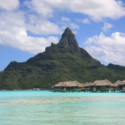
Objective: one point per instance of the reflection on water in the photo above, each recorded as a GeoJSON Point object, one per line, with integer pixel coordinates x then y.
{"type": "Point", "coordinates": [44, 107]}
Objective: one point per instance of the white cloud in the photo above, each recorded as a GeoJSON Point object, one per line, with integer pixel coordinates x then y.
{"type": "Point", "coordinates": [13, 32]}
{"type": "Point", "coordinates": [35, 24]}
{"type": "Point", "coordinates": [43, 26]}
{"type": "Point", "coordinates": [42, 7]}
{"type": "Point", "coordinates": [9, 4]}
{"type": "Point", "coordinates": [19, 39]}
{"type": "Point", "coordinates": [98, 10]}
{"type": "Point", "coordinates": [75, 32]}
{"type": "Point", "coordinates": [107, 49]}
{"type": "Point", "coordinates": [65, 19]}
{"type": "Point", "coordinates": [66, 22]}
{"type": "Point", "coordinates": [46, 7]}
{"type": "Point", "coordinates": [107, 26]}
{"type": "Point", "coordinates": [95, 9]}
{"type": "Point", "coordinates": [74, 26]}
{"type": "Point", "coordinates": [86, 20]}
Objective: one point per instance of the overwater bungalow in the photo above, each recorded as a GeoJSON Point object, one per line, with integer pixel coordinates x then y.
{"type": "Point", "coordinates": [101, 85]}
{"type": "Point", "coordinates": [67, 86]}
{"type": "Point", "coordinates": [97, 86]}
{"type": "Point", "coordinates": [86, 86]}
{"type": "Point", "coordinates": [119, 86]}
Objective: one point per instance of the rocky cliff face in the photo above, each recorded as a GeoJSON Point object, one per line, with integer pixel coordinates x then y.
{"type": "Point", "coordinates": [67, 41]}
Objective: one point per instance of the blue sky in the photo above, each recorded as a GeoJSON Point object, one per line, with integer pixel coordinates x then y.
{"type": "Point", "coordinates": [27, 27]}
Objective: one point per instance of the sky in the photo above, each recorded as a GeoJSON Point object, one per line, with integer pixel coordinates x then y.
{"type": "Point", "coordinates": [27, 27]}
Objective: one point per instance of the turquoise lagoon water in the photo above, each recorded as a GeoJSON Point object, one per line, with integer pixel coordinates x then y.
{"type": "Point", "coordinates": [48, 108]}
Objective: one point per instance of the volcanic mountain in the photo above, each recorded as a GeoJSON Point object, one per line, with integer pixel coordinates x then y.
{"type": "Point", "coordinates": [64, 61]}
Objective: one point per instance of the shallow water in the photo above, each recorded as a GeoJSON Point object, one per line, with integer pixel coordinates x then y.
{"type": "Point", "coordinates": [48, 108]}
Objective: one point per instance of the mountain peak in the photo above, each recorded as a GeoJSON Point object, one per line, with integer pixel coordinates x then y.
{"type": "Point", "coordinates": [68, 40]}
{"type": "Point", "coordinates": [67, 32]}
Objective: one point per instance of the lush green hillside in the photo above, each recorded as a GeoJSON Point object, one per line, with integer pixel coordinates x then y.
{"type": "Point", "coordinates": [64, 61]}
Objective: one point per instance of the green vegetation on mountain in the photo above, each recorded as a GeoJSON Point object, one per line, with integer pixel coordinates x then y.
{"type": "Point", "coordinates": [64, 61]}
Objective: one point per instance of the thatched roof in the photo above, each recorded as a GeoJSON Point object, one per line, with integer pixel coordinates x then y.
{"type": "Point", "coordinates": [87, 84]}
{"type": "Point", "coordinates": [102, 83]}
{"type": "Point", "coordinates": [117, 83]}
{"type": "Point", "coordinates": [69, 84]}
{"type": "Point", "coordinates": [60, 84]}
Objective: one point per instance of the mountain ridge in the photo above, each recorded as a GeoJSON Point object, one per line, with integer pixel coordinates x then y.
{"type": "Point", "coordinates": [64, 61]}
